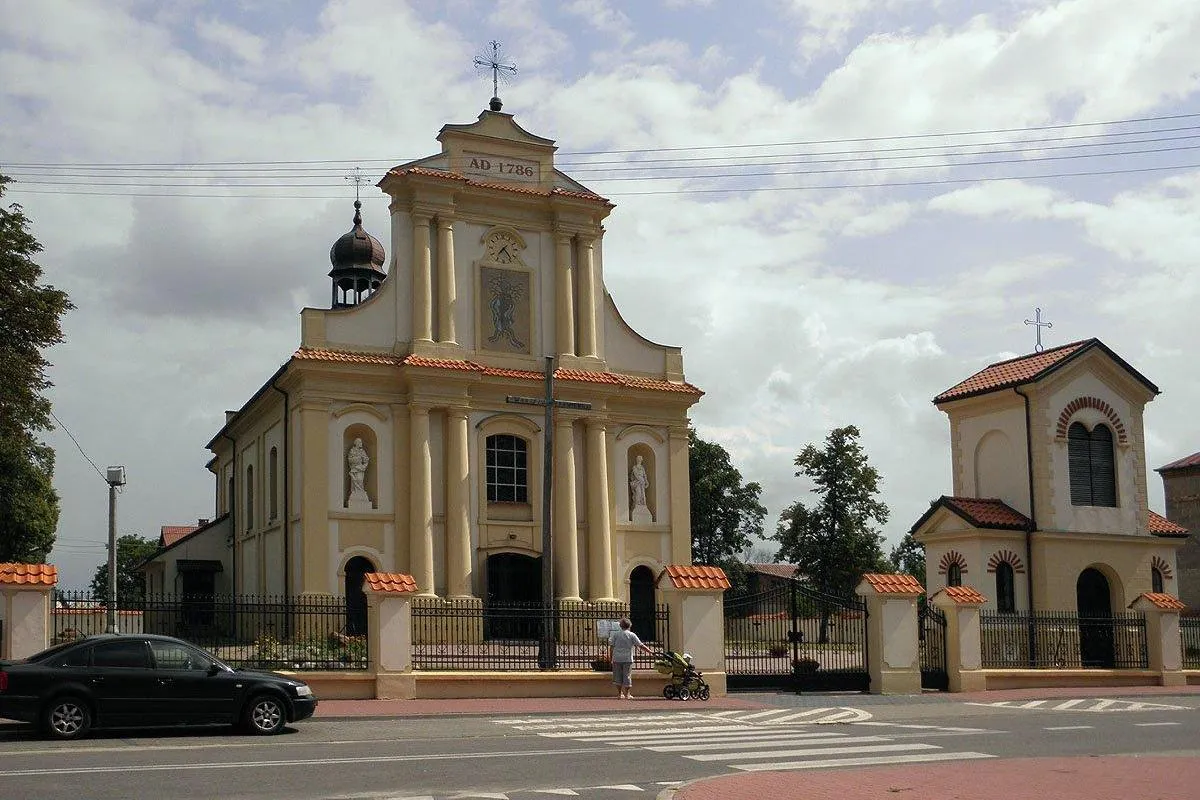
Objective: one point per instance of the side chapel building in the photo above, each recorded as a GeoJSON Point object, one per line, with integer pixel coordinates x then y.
{"type": "Point", "coordinates": [394, 439]}
{"type": "Point", "coordinates": [1049, 506]}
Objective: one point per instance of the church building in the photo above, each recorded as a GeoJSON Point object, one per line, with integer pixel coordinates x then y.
{"type": "Point", "coordinates": [405, 433]}
{"type": "Point", "coordinates": [1049, 510]}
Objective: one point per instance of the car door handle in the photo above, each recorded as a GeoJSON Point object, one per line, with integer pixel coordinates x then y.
{"type": "Point", "coordinates": [165, 681]}
{"type": "Point", "coordinates": [97, 680]}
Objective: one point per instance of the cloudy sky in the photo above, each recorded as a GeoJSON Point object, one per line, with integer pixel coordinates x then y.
{"type": "Point", "coordinates": [837, 209]}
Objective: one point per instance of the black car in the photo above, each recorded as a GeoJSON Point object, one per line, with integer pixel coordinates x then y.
{"type": "Point", "coordinates": [144, 681]}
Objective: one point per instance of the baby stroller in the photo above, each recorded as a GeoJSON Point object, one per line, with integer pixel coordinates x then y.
{"type": "Point", "coordinates": [686, 681]}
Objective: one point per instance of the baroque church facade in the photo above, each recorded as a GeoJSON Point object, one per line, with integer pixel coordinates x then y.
{"type": "Point", "coordinates": [1049, 505]}
{"type": "Point", "coordinates": [405, 433]}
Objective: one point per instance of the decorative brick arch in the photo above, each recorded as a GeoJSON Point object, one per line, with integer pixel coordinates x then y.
{"type": "Point", "coordinates": [950, 558]}
{"type": "Point", "coordinates": [1005, 557]}
{"type": "Point", "coordinates": [1079, 403]}
{"type": "Point", "coordinates": [1163, 567]}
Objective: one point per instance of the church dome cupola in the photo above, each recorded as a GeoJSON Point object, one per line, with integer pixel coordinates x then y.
{"type": "Point", "coordinates": [357, 258]}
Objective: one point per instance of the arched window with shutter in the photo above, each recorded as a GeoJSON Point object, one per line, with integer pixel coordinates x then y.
{"type": "Point", "coordinates": [1156, 580]}
{"type": "Point", "coordinates": [1092, 464]}
{"type": "Point", "coordinates": [954, 575]}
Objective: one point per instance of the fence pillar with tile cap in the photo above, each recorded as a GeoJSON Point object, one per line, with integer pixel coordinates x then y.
{"type": "Point", "coordinates": [695, 596]}
{"type": "Point", "coordinates": [25, 592]}
{"type": "Point", "coordinates": [1162, 635]}
{"type": "Point", "coordinates": [893, 649]}
{"type": "Point", "coordinates": [389, 633]}
{"type": "Point", "coordinates": [964, 644]}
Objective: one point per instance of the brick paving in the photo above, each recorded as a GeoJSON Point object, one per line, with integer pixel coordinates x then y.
{"type": "Point", "coordinates": [1087, 778]}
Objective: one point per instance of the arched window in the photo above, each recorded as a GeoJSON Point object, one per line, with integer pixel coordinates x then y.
{"type": "Point", "coordinates": [954, 575]}
{"type": "Point", "coordinates": [507, 469]}
{"type": "Point", "coordinates": [1092, 465]}
{"type": "Point", "coordinates": [1006, 599]}
{"type": "Point", "coordinates": [273, 490]}
{"type": "Point", "coordinates": [249, 497]}
{"type": "Point", "coordinates": [1156, 579]}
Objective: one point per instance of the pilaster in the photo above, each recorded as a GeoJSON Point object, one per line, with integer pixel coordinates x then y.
{"type": "Point", "coordinates": [421, 500]}
{"type": "Point", "coordinates": [564, 315]}
{"type": "Point", "coordinates": [599, 525]}
{"type": "Point", "coordinates": [458, 522]}
{"type": "Point", "coordinates": [447, 291]}
{"type": "Point", "coordinates": [587, 298]}
{"type": "Point", "coordinates": [565, 530]}
{"type": "Point", "coordinates": [314, 502]}
{"type": "Point", "coordinates": [422, 298]}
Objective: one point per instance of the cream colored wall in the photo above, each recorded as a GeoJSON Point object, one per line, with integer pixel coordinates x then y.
{"type": "Point", "coordinates": [1088, 379]}
{"type": "Point", "coordinates": [946, 532]}
{"type": "Point", "coordinates": [209, 545]}
{"type": "Point", "coordinates": [1125, 561]}
{"type": "Point", "coordinates": [625, 349]}
{"type": "Point", "coordinates": [370, 325]}
{"type": "Point", "coordinates": [991, 427]}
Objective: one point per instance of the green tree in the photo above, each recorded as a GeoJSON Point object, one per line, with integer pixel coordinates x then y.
{"type": "Point", "coordinates": [727, 517]}
{"type": "Point", "coordinates": [833, 540]}
{"type": "Point", "coordinates": [30, 315]}
{"type": "Point", "coordinates": [909, 557]}
{"type": "Point", "coordinates": [131, 584]}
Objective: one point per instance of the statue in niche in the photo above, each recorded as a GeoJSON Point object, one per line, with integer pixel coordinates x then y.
{"type": "Point", "coordinates": [639, 483]}
{"type": "Point", "coordinates": [357, 461]}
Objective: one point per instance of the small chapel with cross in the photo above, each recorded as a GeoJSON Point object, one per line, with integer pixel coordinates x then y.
{"type": "Point", "coordinates": [389, 440]}
{"type": "Point", "coordinates": [1048, 509]}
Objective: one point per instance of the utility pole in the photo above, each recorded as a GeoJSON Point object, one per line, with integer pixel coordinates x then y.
{"type": "Point", "coordinates": [115, 478]}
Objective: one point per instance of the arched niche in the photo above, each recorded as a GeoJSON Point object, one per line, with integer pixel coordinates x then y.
{"type": "Point", "coordinates": [370, 442]}
{"type": "Point", "coordinates": [643, 471]}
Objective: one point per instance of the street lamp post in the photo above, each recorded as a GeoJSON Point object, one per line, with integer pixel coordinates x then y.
{"type": "Point", "coordinates": [115, 478]}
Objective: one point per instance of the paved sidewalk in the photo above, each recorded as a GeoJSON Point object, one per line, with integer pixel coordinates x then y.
{"type": "Point", "coordinates": [1089, 778]}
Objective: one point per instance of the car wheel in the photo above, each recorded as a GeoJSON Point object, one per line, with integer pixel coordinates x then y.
{"type": "Point", "coordinates": [265, 715]}
{"type": "Point", "coordinates": [67, 718]}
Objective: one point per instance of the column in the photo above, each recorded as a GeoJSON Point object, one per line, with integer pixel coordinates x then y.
{"type": "Point", "coordinates": [893, 653]}
{"type": "Point", "coordinates": [564, 312]}
{"type": "Point", "coordinates": [422, 280]}
{"type": "Point", "coordinates": [420, 528]}
{"type": "Point", "coordinates": [458, 519]}
{"type": "Point", "coordinates": [964, 641]}
{"type": "Point", "coordinates": [566, 534]}
{"type": "Point", "coordinates": [680, 494]}
{"type": "Point", "coordinates": [1163, 644]}
{"type": "Point", "coordinates": [599, 531]}
{"type": "Point", "coordinates": [447, 292]}
{"type": "Point", "coordinates": [587, 298]}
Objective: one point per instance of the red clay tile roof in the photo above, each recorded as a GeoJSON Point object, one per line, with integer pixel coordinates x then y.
{"type": "Point", "coordinates": [963, 595]}
{"type": "Point", "coordinates": [170, 534]}
{"type": "Point", "coordinates": [507, 187]}
{"type": "Point", "coordinates": [1187, 461]}
{"type": "Point", "coordinates": [980, 512]}
{"type": "Point", "coordinates": [695, 576]}
{"type": "Point", "coordinates": [1161, 526]}
{"type": "Point", "coordinates": [392, 582]}
{"type": "Point", "coordinates": [1014, 372]}
{"type": "Point", "coordinates": [894, 584]}
{"type": "Point", "coordinates": [28, 574]}
{"type": "Point", "coordinates": [1167, 602]}
{"type": "Point", "coordinates": [459, 365]}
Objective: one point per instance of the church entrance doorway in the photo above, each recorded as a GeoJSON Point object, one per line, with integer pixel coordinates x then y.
{"type": "Point", "coordinates": [641, 603]}
{"type": "Point", "coordinates": [1095, 619]}
{"type": "Point", "coordinates": [356, 601]}
{"type": "Point", "coordinates": [512, 609]}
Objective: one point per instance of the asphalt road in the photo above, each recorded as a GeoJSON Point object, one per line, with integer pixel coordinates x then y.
{"type": "Point", "coordinates": [627, 753]}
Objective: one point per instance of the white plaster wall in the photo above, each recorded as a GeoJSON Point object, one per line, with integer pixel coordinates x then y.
{"type": "Point", "coordinates": [371, 325]}
{"type": "Point", "coordinates": [624, 349]}
{"type": "Point", "coordinates": [400, 276]}
{"type": "Point", "coordinates": [26, 630]}
{"type": "Point", "coordinates": [209, 545]}
{"type": "Point", "coordinates": [997, 468]}
{"type": "Point", "coordinates": [899, 626]}
{"type": "Point", "coordinates": [381, 458]}
{"type": "Point", "coordinates": [1060, 514]}
{"type": "Point", "coordinates": [248, 566]}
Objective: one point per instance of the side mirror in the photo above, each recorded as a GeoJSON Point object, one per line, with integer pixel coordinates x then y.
{"type": "Point", "coordinates": [213, 669]}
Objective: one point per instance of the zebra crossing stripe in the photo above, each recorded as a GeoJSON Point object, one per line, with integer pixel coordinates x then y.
{"type": "Point", "coordinates": [1068, 704]}
{"type": "Point", "coordinates": [865, 761]}
{"type": "Point", "coordinates": [1104, 705]}
{"type": "Point", "coordinates": [815, 751]}
{"type": "Point", "coordinates": [723, 738]}
{"type": "Point", "coordinates": [605, 733]}
{"type": "Point", "coordinates": [1031, 704]}
{"type": "Point", "coordinates": [727, 746]}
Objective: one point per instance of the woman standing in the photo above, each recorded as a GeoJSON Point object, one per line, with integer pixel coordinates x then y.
{"type": "Point", "coordinates": [621, 644]}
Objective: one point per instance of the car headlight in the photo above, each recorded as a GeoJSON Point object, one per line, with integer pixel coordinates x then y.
{"type": "Point", "coordinates": [303, 691]}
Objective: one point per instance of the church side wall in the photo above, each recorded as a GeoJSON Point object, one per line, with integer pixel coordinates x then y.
{"type": "Point", "coordinates": [1182, 491]}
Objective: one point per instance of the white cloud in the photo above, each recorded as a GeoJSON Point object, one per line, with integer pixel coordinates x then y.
{"type": "Point", "coordinates": [243, 44]}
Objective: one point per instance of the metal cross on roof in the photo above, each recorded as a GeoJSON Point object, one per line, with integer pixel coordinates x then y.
{"type": "Point", "coordinates": [499, 69]}
{"type": "Point", "coordinates": [358, 179]}
{"type": "Point", "coordinates": [1037, 324]}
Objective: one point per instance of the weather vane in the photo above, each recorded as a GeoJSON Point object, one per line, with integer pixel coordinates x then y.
{"type": "Point", "coordinates": [500, 71]}
{"type": "Point", "coordinates": [1037, 324]}
{"type": "Point", "coordinates": [358, 180]}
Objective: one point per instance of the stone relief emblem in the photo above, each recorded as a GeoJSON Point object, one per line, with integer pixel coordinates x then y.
{"type": "Point", "coordinates": [504, 292]}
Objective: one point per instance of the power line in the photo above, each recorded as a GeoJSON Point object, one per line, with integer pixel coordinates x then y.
{"type": "Point", "coordinates": [78, 446]}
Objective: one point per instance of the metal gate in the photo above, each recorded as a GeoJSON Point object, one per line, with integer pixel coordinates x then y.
{"type": "Point", "coordinates": [932, 629]}
{"type": "Point", "coordinates": [796, 638]}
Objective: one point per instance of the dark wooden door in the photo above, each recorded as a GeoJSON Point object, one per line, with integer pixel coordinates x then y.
{"type": "Point", "coordinates": [1095, 619]}
{"type": "Point", "coordinates": [356, 601]}
{"type": "Point", "coordinates": [641, 603]}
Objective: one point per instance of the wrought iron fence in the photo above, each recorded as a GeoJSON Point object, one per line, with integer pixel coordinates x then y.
{"type": "Point", "coordinates": [931, 634]}
{"type": "Point", "coordinates": [250, 631]}
{"type": "Point", "coordinates": [1189, 633]}
{"type": "Point", "coordinates": [1062, 640]}
{"type": "Point", "coordinates": [467, 635]}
